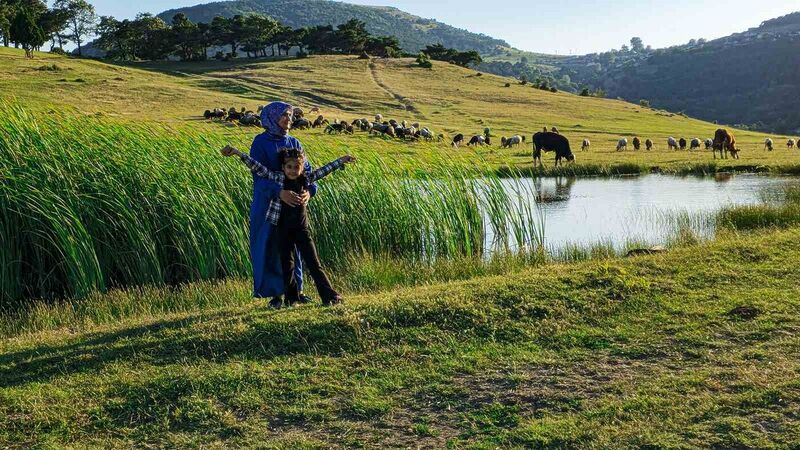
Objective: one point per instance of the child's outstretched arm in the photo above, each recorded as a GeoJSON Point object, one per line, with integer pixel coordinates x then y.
{"type": "Point", "coordinates": [256, 167]}
{"type": "Point", "coordinates": [329, 168]}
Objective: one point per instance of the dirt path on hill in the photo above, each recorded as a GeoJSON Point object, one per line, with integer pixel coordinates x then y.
{"type": "Point", "coordinates": [405, 102]}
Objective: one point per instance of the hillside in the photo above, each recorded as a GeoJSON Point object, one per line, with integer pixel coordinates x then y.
{"type": "Point", "coordinates": [698, 348]}
{"type": "Point", "coordinates": [412, 31]}
{"type": "Point", "coordinates": [453, 101]}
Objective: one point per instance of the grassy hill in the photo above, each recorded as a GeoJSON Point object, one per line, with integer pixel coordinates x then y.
{"type": "Point", "coordinates": [114, 194]}
{"type": "Point", "coordinates": [413, 32]}
{"type": "Point", "coordinates": [695, 349]}
{"type": "Point", "coordinates": [448, 99]}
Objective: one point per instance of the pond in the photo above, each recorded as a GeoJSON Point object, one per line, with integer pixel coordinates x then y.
{"type": "Point", "coordinates": [642, 209]}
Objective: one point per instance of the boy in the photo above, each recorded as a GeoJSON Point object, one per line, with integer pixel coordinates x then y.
{"type": "Point", "coordinates": [292, 221]}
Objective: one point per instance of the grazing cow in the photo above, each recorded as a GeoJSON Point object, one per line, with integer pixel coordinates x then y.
{"type": "Point", "coordinates": [790, 143]}
{"type": "Point", "coordinates": [695, 144]}
{"type": "Point", "coordinates": [637, 144]}
{"type": "Point", "coordinates": [622, 144]}
{"type": "Point", "coordinates": [768, 144]}
{"type": "Point", "coordinates": [672, 144]}
{"type": "Point", "coordinates": [724, 142]}
{"type": "Point", "coordinates": [648, 144]}
{"type": "Point", "coordinates": [476, 140]}
{"type": "Point", "coordinates": [682, 143]}
{"type": "Point", "coordinates": [551, 142]}
{"type": "Point", "coordinates": [708, 143]}
{"type": "Point", "coordinates": [458, 140]}
{"type": "Point", "coordinates": [510, 142]}
{"type": "Point", "coordinates": [586, 144]}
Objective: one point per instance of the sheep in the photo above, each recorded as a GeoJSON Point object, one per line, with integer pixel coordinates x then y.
{"type": "Point", "coordinates": [301, 123]}
{"type": "Point", "coordinates": [768, 144]}
{"type": "Point", "coordinates": [416, 125]}
{"type": "Point", "coordinates": [695, 144]}
{"type": "Point", "coordinates": [216, 113]}
{"type": "Point", "coordinates": [298, 113]}
{"type": "Point", "coordinates": [790, 143]}
{"type": "Point", "coordinates": [319, 121]}
{"type": "Point", "coordinates": [457, 140]}
{"type": "Point", "coordinates": [672, 144]}
{"type": "Point", "coordinates": [637, 144]}
{"type": "Point", "coordinates": [682, 143]}
{"type": "Point", "coordinates": [648, 144]}
{"type": "Point", "coordinates": [476, 140]}
{"type": "Point", "coordinates": [250, 119]}
{"type": "Point", "coordinates": [622, 144]}
{"type": "Point", "coordinates": [339, 127]}
{"type": "Point", "coordinates": [426, 134]}
{"type": "Point", "coordinates": [407, 133]}
{"type": "Point", "coordinates": [510, 142]}
{"type": "Point", "coordinates": [586, 144]}
{"type": "Point", "coordinates": [313, 110]}
{"type": "Point", "coordinates": [708, 143]}
{"type": "Point", "coordinates": [378, 118]}
{"type": "Point", "coordinates": [383, 129]}
{"type": "Point", "coordinates": [554, 130]}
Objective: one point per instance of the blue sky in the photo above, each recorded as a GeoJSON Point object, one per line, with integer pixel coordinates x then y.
{"type": "Point", "coordinates": [565, 26]}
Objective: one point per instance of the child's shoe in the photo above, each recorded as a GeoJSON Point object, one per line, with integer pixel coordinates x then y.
{"type": "Point", "coordinates": [276, 303]}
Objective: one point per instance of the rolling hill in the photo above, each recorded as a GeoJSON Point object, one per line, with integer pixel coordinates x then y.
{"type": "Point", "coordinates": [412, 31]}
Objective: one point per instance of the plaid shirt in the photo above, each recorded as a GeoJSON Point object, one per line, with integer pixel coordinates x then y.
{"type": "Point", "coordinates": [274, 209]}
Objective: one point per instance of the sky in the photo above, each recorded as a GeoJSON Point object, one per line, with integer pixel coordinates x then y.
{"type": "Point", "coordinates": [562, 27]}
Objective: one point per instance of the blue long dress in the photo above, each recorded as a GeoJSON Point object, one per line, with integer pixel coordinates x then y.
{"type": "Point", "coordinates": [267, 274]}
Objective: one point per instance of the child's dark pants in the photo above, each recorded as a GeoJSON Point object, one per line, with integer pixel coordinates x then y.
{"type": "Point", "coordinates": [288, 238]}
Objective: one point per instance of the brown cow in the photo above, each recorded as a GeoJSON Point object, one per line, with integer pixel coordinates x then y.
{"type": "Point", "coordinates": [724, 142]}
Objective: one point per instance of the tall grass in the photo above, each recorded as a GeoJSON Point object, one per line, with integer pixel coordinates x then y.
{"type": "Point", "coordinates": [88, 204]}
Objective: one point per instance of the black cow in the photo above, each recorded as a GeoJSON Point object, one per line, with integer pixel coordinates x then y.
{"type": "Point", "coordinates": [551, 142]}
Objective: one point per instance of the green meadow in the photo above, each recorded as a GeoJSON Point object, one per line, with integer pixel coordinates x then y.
{"type": "Point", "coordinates": [127, 319]}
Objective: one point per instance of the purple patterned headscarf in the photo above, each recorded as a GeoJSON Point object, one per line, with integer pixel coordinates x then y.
{"type": "Point", "coordinates": [270, 116]}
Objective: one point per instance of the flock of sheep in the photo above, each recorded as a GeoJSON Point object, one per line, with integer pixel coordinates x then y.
{"type": "Point", "coordinates": [723, 141]}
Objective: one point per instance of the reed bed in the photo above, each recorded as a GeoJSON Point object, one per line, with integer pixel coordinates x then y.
{"type": "Point", "coordinates": [88, 204]}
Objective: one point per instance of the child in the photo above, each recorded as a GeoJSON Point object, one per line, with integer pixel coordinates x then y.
{"type": "Point", "coordinates": [292, 221]}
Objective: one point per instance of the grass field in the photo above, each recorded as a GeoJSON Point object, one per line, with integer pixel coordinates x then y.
{"type": "Point", "coordinates": [697, 348]}
{"type": "Point", "coordinates": [113, 195]}
{"type": "Point", "coordinates": [448, 99]}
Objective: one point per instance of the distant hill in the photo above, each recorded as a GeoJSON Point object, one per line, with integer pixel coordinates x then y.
{"type": "Point", "coordinates": [750, 79]}
{"type": "Point", "coordinates": [413, 32]}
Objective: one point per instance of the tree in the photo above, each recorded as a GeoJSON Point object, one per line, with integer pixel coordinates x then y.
{"type": "Point", "coordinates": [383, 46]}
{"type": "Point", "coordinates": [644, 103]}
{"type": "Point", "coordinates": [81, 19]}
{"type": "Point", "coordinates": [6, 14]}
{"type": "Point", "coordinates": [424, 61]}
{"type": "Point", "coordinates": [584, 92]}
{"type": "Point", "coordinates": [637, 45]}
{"type": "Point", "coordinates": [352, 36]}
{"type": "Point", "coordinates": [26, 31]}
{"type": "Point", "coordinates": [464, 59]}
{"type": "Point", "coordinates": [184, 37]}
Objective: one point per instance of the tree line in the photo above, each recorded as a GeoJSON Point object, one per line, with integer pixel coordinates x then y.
{"type": "Point", "coordinates": [30, 24]}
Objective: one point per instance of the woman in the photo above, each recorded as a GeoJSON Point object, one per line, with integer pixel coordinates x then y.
{"type": "Point", "coordinates": [267, 275]}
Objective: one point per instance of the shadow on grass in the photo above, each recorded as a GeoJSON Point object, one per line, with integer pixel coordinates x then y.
{"type": "Point", "coordinates": [163, 342]}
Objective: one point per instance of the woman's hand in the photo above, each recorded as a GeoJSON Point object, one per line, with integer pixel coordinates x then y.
{"type": "Point", "coordinates": [230, 151]}
{"type": "Point", "coordinates": [292, 198]}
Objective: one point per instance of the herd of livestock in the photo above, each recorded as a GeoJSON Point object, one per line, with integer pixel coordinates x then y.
{"type": "Point", "coordinates": [545, 140]}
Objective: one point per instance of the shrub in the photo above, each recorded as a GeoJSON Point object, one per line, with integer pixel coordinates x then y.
{"type": "Point", "coordinates": [553, 89]}
{"type": "Point", "coordinates": [644, 103]}
{"type": "Point", "coordinates": [301, 54]}
{"type": "Point", "coordinates": [424, 61]}
{"type": "Point", "coordinates": [508, 84]}
{"type": "Point", "coordinates": [584, 92]}
{"type": "Point", "coordinates": [58, 51]}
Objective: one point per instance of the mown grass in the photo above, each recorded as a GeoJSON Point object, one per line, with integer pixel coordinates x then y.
{"type": "Point", "coordinates": [696, 348]}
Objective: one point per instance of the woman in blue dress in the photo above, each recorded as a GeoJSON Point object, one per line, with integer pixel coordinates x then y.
{"type": "Point", "coordinates": [276, 118]}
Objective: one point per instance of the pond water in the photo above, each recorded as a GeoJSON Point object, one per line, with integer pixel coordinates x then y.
{"type": "Point", "coordinates": [642, 209]}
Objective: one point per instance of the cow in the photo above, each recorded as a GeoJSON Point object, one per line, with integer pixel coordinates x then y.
{"type": "Point", "coordinates": [648, 144]}
{"type": "Point", "coordinates": [790, 143]}
{"type": "Point", "coordinates": [708, 143]}
{"type": "Point", "coordinates": [551, 142]}
{"type": "Point", "coordinates": [695, 144]}
{"type": "Point", "coordinates": [682, 143]}
{"type": "Point", "coordinates": [672, 144]}
{"type": "Point", "coordinates": [637, 143]}
{"type": "Point", "coordinates": [768, 144]}
{"type": "Point", "coordinates": [724, 142]}
{"type": "Point", "coordinates": [622, 144]}
{"type": "Point", "coordinates": [586, 144]}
